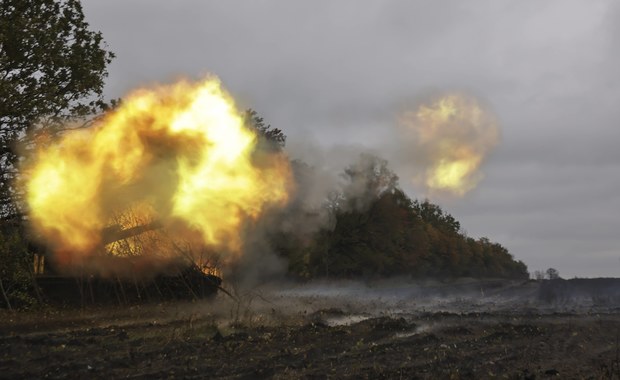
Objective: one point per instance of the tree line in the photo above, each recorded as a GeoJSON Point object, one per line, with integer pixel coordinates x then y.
{"type": "Point", "coordinates": [375, 229]}
{"type": "Point", "coordinates": [380, 231]}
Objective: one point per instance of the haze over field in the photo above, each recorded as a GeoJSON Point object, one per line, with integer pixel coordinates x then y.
{"type": "Point", "coordinates": [337, 78]}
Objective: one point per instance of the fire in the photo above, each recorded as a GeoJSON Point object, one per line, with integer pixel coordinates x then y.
{"type": "Point", "coordinates": [177, 154]}
{"type": "Point", "coordinates": [454, 133]}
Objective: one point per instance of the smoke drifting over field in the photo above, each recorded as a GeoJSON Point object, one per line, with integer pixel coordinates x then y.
{"type": "Point", "coordinates": [346, 302]}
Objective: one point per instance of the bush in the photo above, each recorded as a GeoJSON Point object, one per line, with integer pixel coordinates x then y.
{"type": "Point", "coordinates": [16, 277]}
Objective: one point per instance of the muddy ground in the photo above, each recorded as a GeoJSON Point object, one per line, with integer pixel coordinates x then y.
{"type": "Point", "coordinates": [322, 331]}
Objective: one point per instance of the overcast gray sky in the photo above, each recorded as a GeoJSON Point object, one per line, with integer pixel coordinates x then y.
{"type": "Point", "coordinates": [338, 73]}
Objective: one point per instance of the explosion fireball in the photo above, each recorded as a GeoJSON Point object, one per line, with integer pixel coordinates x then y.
{"type": "Point", "coordinates": [179, 155]}
{"type": "Point", "coordinates": [454, 133]}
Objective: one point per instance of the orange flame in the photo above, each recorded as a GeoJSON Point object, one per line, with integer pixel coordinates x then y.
{"type": "Point", "coordinates": [455, 134]}
{"type": "Point", "coordinates": [179, 154]}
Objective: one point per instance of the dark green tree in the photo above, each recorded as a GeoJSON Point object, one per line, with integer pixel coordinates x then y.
{"type": "Point", "coordinates": [377, 230]}
{"type": "Point", "coordinates": [16, 281]}
{"type": "Point", "coordinates": [52, 71]}
{"type": "Point", "coordinates": [372, 223]}
{"type": "Point", "coordinates": [552, 274]}
{"type": "Point", "coordinates": [435, 216]}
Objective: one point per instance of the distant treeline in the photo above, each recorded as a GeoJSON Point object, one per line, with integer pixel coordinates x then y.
{"type": "Point", "coordinates": [375, 229]}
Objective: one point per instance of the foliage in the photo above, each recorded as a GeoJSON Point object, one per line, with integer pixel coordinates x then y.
{"type": "Point", "coordinates": [269, 137]}
{"type": "Point", "coordinates": [52, 70]}
{"type": "Point", "coordinates": [379, 231]}
{"type": "Point", "coordinates": [15, 269]}
{"type": "Point", "coordinates": [552, 274]}
{"type": "Point", "coordinates": [434, 215]}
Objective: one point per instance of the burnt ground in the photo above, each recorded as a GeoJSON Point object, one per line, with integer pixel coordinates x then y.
{"type": "Point", "coordinates": [232, 340]}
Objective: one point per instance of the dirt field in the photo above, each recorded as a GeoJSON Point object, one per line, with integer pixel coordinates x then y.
{"type": "Point", "coordinates": [311, 338]}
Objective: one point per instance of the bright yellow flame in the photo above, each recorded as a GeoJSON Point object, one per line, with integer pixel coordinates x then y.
{"type": "Point", "coordinates": [179, 154]}
{"type": "Point", "coordinates": [454, 134]}
{"type": "Point", "coordinates": [454, 175]}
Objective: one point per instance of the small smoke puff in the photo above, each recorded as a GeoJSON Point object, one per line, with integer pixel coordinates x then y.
{"type": "Point", "coordinates": [452, 135]}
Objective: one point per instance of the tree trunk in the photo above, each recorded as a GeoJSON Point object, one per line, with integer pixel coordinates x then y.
{"type": "Point", "coordinates": [4, 295]}
{"type": "Point", "coordinates": [35, 285]}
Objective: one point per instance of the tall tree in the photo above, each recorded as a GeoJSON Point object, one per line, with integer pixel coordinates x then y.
{"type": "Point", "coordinates": [52, 70]}
{"type": "Point", "coordinates": [378, 230]}
{"type": "Point", "coordinates": [435, 216]}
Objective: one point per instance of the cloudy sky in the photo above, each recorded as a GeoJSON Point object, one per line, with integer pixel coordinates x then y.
{"type": "Point", "coordinates": [336, 75]}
